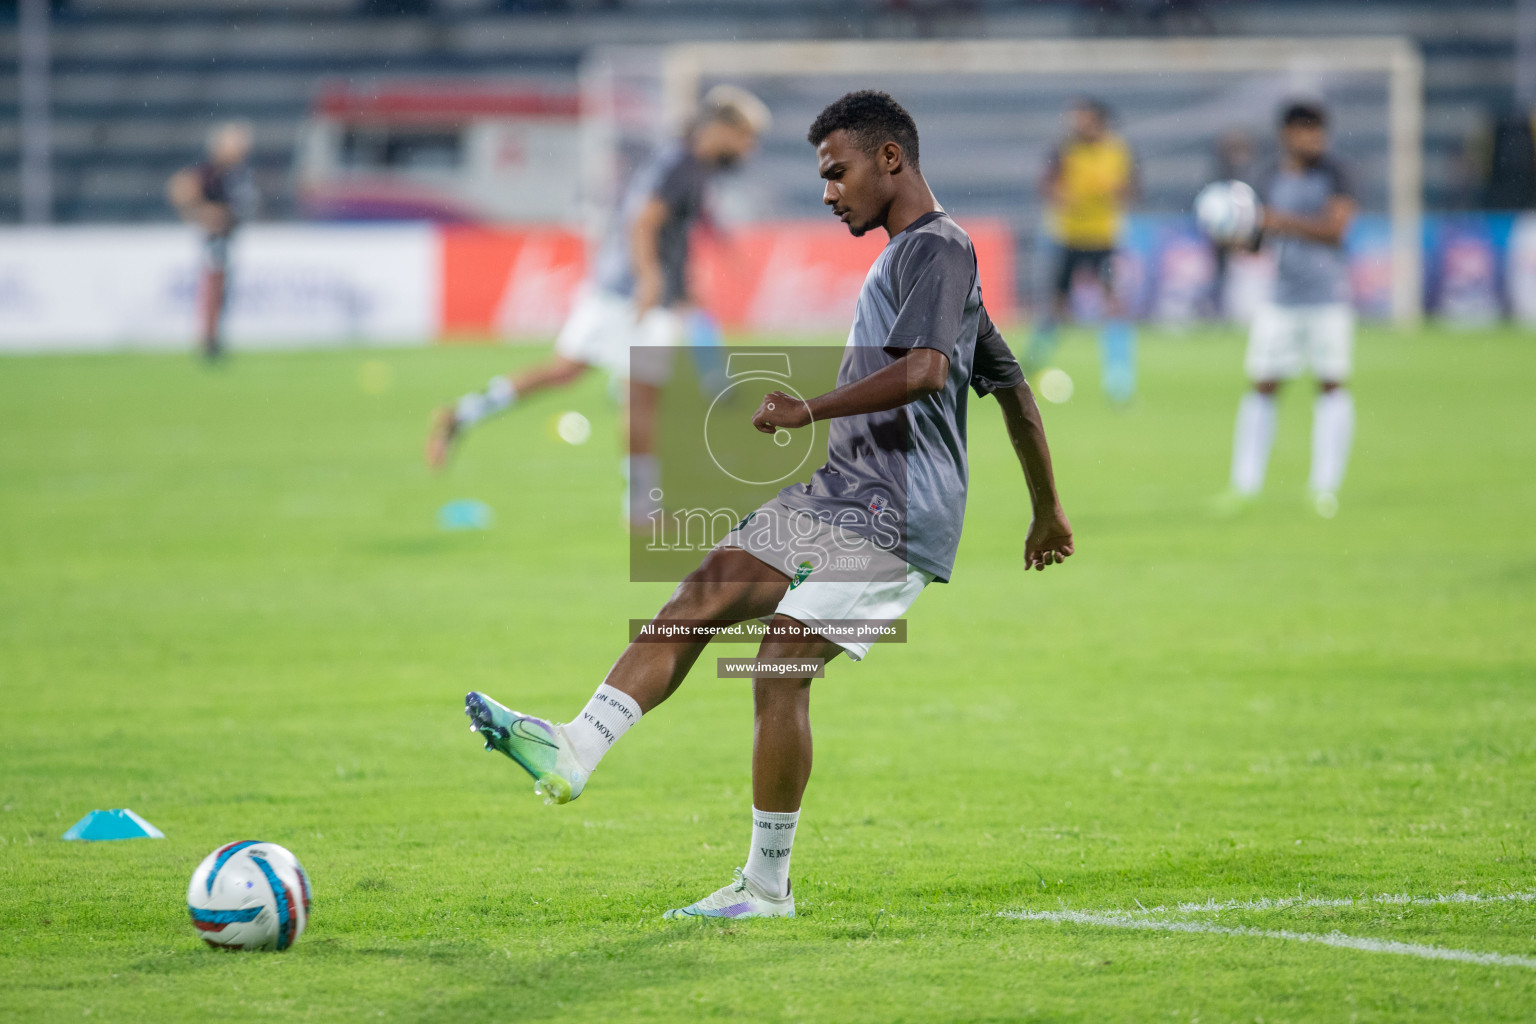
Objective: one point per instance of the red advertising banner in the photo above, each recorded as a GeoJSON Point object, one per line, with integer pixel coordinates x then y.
{"type": "Point", "coordinates": [787, 277]}
{"type": "Point", "coordinates": [508, 282]}
{"type": "Point", "coordinates": [805, 276]}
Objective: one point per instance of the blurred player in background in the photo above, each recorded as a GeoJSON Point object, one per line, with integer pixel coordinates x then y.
{"type": "Point", "coordinates": [1089, 182]}
{"type": "Point", "coordinates": [216, 195]}
{"type": "Point", "coordinates": [637, 292]}
{"type": "Point", "coordinates": [1308, 204]}
{"type": "Point", "coordinates": [896, 459]}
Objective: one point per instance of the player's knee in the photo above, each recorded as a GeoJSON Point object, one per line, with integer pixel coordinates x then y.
{"type": "Point", "coordinates": [779, 695]}
{"type": "Point", "coordinates": [1266, 387]}
{"type": "Point", "coordinates": [696, 599]}
{"type": "Point", "coordinates": [1326, 386]}
{"type": "Point", "coordinates": [714, 590]}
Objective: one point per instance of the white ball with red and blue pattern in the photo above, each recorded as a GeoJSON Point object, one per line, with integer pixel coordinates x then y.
{"type": "Point", "coordinates": [249, 895]}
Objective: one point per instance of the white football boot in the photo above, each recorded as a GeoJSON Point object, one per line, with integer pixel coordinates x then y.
{"type": "Point", "coordinates": [742, 898]}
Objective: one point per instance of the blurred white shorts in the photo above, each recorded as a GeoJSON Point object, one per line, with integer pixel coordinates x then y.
{"type": "Point", "coordinates": [602, 328]}
{"type": "Point", "coordinates": [1284, 341]}
{"type": "Point", "coordinates": [842, 585]}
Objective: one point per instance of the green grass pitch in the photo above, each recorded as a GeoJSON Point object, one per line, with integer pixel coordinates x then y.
{"type": "Point", "coordinates": [225, 603]}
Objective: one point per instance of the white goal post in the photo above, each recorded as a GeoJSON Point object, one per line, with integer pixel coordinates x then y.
{"type": "Point", "coordinates": [684, 67]}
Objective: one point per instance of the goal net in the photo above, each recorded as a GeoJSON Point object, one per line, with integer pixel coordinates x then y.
{"type": "Point", "coordinates": [990, 113]}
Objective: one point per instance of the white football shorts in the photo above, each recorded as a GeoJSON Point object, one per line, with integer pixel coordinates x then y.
{"type": "Point", "coordinates": [843, 585]}
{"type": "Point", "coordinates": [1284, 341]}
{"type": "Point", "coordinates": [602, 327]}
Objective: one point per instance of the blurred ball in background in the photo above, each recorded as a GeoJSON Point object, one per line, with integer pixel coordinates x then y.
{"type": "Point", "coordinates": [573, 428]}
{"type": "Point", "coordinates": [1054, 386]}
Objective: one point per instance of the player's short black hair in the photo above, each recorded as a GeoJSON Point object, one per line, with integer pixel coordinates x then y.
{"type": "Point", "coordinates": [1304, 114]}
{"type": "Point", "coordinates": [1097, 107]}
{"type": "Point", "coordinates": [871, 119]}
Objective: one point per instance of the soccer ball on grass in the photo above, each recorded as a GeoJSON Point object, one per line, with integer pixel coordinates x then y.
{"type": "Point", "coordinates": [249, 895]}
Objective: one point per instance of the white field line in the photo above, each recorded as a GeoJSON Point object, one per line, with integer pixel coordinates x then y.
{"type": "Point", "coordinates": [1328, 939]}
{"type": "Point", "coordinates": [1287, 902]}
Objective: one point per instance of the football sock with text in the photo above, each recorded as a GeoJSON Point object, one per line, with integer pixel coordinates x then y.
{"type": "Point", "coordinates": [773, 834]}
{"type": "Point", "coordinates": [607, 716]}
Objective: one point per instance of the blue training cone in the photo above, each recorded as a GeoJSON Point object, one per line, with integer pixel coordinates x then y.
{"type": "Point", "coordinates": [117, 824]}
{"type": "Point", "coordinates": [465, 514]}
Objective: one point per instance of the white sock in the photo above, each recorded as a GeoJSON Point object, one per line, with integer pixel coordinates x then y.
{"type": "Point", "coordinates": [1333, 431]}
{"type": "Point", "coordinates": [477, 405]}
{"type": "Point", "coordinates": [642, 484]}
{"type": "Point", "coordinates": [773, 834]}
{"type": "Point", "coordinates": [1252, 441]}
{"type": "Point", "coordinates": [607, 716]}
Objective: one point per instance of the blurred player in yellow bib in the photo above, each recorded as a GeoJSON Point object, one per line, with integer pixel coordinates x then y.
{"type": "Point", "coordinates": [1090, 180]}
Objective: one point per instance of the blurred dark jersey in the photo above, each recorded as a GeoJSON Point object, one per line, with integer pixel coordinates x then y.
{"type": "Point", "coordinates": [677, 178]}
{"type": "Point", "coordinates": [231, 186]}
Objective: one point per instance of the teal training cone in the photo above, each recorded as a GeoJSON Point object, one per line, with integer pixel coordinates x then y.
{"type": "Point", "coordinates": [118, 824]}
{"type": "Point", "coordinates": [465, 514]}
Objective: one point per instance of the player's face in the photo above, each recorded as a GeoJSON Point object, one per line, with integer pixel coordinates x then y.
{"type": "Point", "coordinates": [726, 145]}
{"type": "Point", "coordinates": [859, 188]}
{"type": "Point", "coordinates": [1086, 123]}
{"type": "Point", "coordinates": [232, 145]}
{"type": "Point", "coordinates": [742, 142]}
{"type": "Point", "coordinates": [1305, 142]}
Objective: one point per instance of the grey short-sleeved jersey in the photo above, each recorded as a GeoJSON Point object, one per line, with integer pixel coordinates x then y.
{"type": "Point", "coordinates": [678, 178]}
{"type": "Point", "coordinates": [900, 476]}
{"type": "Point", "coordinates": [1308, 273]}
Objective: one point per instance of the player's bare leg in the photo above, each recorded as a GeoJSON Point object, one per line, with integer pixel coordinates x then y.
{"type": "Point", "coordinates": [781, 767]}
{"type": "Point", "coordinates": [781, 722]}
{"type": "Point", "coordinates": [1043, 339]}
{"type": "Point", "coordinates": [1117, 347]}
{"type": "Point", "coordinates": [213, 295]}
{"type": "Point", "coordinates": [729, 586]}
{"type": "Point", "coordinates": [642, 473]}
{"type": "Point", "coordinates": [450, 421]}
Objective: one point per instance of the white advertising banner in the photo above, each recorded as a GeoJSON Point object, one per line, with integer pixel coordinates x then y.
{"type": "Point", "coordinates": [137, 287]}
{"type": "Point", "coordinates": [1521, 269]}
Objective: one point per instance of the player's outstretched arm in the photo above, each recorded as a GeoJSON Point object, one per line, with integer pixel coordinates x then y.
{"type": "Point", "coordinates": [917, 374]}
{"type": "Point", "coordinates": [1050, 535]}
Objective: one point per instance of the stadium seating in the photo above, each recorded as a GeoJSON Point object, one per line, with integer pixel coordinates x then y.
{"type": "Point", "coordinates": [137, 83]}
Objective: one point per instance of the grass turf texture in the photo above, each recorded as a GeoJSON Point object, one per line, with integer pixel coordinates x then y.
{"type": "Point", "coordinates": [226, 605]}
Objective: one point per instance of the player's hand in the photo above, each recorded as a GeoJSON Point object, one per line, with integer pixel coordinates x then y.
{"type": "Point", "coordinates": [780, 412]}
{"type": "Point", "coordinates": [1049, 541]}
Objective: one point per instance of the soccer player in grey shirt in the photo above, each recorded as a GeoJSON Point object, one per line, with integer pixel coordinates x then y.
{"type": "Point", "coordinates": [1309, 324]}
{"type": "Point", "coordinates": [637, 289]}
{"type": "Point", "coordinates": [893, 487]}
